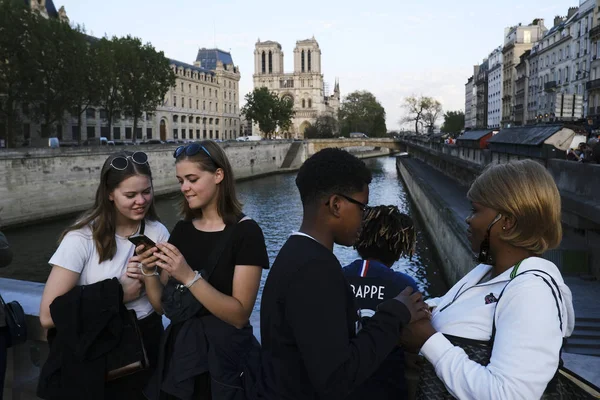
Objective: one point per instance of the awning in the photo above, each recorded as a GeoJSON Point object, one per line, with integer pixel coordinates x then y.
{"type": "Point", "coordinates": [562, 139]}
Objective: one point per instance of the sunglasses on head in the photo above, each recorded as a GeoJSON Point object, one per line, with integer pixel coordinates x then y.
{"type": "Point", "coordinates": [121, 163]}
{"type": "Point", "coordinates": [191, 150]}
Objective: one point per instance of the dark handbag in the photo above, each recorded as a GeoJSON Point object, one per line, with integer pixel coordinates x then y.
{"type": "Point", "coordinates": [130, 355]}
{"type": "Point", "coordinates": [15, 322]}
{"type": "Point", "coordinates": [179, 304]}
{"type": "Point", "coordinates": [564, 385]}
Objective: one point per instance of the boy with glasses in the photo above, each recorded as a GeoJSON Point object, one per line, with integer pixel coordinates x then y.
{"type": "Point", "coordinates": [309, 319]}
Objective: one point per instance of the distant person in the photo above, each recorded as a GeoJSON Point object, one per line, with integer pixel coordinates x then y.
{"type": "Point", "coordinates": [498, 332]}
{"type": "Point", "coordinates": [312, 347]}
{"type": "Point", "coordinates": [96, 248]}
{"type": "Point", "coordinates": [385, 236]}
{"type": "Point", "coordinates": [6, 257]}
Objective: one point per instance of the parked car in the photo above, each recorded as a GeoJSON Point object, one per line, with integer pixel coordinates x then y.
{"type": "Point", "coordinates": [154, 141]}
{"type": "Point", "coordinates": [357, 135]}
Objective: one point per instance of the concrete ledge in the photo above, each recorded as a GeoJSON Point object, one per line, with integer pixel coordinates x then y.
{"type": "Point", "coordinates": [443, 224]}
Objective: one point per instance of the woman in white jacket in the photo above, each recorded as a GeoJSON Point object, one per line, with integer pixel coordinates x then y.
{"type": "Point", "coordinates": [515, 218]}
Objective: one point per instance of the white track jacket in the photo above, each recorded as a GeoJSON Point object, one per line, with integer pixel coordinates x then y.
{"type": "Point", "coordinates": [528, 338]}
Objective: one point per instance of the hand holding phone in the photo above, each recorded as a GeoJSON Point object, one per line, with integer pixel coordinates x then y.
{"type": "Point", "coordinates": [139, 240]}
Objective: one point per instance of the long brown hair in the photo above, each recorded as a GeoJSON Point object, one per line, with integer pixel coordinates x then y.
{"type": "Point", "coordinates": [102, 216]}
{"type": "Point", "coordinates": [228, 205]}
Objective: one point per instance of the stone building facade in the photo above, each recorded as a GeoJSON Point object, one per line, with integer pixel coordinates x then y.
{"type": "Point", "coordinates": [469, 104]}
{"type": "Point", "coordinates": [494, 88]}
{"type": "Point", "coordinates": [517, 40]}
{"type": "Point", "coordinates": [304, 87]}
{"type": "Point", "coordinates": [481, 91]}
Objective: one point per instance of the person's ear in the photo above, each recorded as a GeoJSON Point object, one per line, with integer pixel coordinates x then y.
{"type": "Point", "coordinates": [219, 175]}
{"type": "Point", "coordinates": [334, 203]}
{"type": "Point", "coordinates": [508, 222]}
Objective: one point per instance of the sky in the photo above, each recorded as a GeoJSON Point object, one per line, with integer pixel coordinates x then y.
{"type": "Point", "coordinates": [397, 49]}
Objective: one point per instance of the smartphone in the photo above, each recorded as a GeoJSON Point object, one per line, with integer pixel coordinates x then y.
{"type": "Point", "coordinates": [138, 240]}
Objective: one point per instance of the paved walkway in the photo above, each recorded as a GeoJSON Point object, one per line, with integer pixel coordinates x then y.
{"type": "Point", "coordinates": [585, 293]}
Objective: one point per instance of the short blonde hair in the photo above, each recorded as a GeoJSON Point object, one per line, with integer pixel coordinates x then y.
{"type": "Point", "coordinates": [526, 191]}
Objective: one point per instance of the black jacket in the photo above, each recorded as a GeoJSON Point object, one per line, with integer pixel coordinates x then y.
{"type": "Point", "coordinates": [206, 344]}
{"type": "Point", "coordinates": [89, 322]}
{"type": "Point", "coordinates": [311, 348]}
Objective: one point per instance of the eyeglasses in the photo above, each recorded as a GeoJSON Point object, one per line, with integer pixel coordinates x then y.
{"type": "Point", "coordinates": [191, 150]}
{"type": "Point", "coordinates": [121, 163]}
{"type": "Point", "coordinates": [363, 207]}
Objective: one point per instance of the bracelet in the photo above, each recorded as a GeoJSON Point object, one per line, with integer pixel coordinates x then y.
{"type": "Point", "coordinates": [155, 273]}
{"type": "Point", "coordinates": [196, 278]}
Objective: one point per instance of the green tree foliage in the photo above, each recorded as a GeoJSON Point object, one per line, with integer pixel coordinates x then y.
{"type": "Point", "coordinates": [360, 111]}
{"type": "Point", "coordinates": [268, 111]}
{"type": "Point", "coordinates": [454, 122]}
{"type": "Point", "coordinates": [18, 66]}
{"type": "Point", "coordinates": [324, 127]}
{"type": "Point", "coordinates": [145, 78]}
{"type": "Point", "coordinates": [422, 110]}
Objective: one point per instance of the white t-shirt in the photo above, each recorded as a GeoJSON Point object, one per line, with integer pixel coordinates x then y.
{"type": "Point", "coordinates": [77, 253]}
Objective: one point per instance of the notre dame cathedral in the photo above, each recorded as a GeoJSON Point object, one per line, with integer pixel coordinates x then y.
{"type": "Point", "coordinates": [304, 87]}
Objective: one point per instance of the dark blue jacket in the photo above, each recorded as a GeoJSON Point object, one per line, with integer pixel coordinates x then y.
{"type": "Point", "coordinates": [372, 283]}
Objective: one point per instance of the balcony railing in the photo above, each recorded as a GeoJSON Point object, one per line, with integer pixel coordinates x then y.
{"type": "Point", "coordinates": [550, 86]}
{"type": "Point", "coordinates": [595, 84]}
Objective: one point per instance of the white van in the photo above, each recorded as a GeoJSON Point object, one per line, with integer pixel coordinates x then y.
{"type": "Point", "coordinates": [252, 138]}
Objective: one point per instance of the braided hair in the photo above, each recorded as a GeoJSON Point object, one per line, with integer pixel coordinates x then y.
{"type": "Point", "coordinates": [386, 235]}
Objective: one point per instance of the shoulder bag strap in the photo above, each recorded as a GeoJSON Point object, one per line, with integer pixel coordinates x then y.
{"type": "Point", "coordinates": [143, 226]}
{"type": "Point", "coordinates": [539, 273]}
{"type": "Point", "coordinates": [215, 255]}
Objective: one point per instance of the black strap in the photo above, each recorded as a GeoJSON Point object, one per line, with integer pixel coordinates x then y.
{"type": "Point", "coordinates": [143, 226]}
{"type": "Point", "coordinates": [215, 255]}
{"type": "Point", "coordinates": [556, 294]}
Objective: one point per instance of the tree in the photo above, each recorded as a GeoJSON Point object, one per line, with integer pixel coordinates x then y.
{"type": "Point", "coordinates": [324, 127]}
{"type": "Point", "coordinates": [454, 122]}
{"type": "Point", "coordinates": [59, 81]}
{"type": "Point", "coordinates": [421, 110]}
{"type": "Point", "coordinates": [145, 78]}
{"type": "Point", "coordinates": [268, 110]}
{"type": "Point", "coordinates": [104, 56]}
{"type": "Point", "coordinates": [85, 78]}
{"type": "Point", "coordinates": [361, 112]}
{"type": "Point", "coordinates": [18, 66]}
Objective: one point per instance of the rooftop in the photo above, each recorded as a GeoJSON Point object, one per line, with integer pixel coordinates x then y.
{"type": "Point", "coordinates": [208, 58]}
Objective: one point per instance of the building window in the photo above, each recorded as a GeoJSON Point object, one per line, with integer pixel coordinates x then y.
{"type": "Point", "coordinates": [181, 87]}
{"type": "Point", "coordinates": [91, 131]}
{"type": "Point", "coordinates": [197, 133]}
{"type": "Point", "coordinates": [196, 89]}
{"type": "Point", "coordinates": [204, 105]}
{"type": "Point", "coordinates": [116, 133]}
{"type": "Point", "coordinates": [128, 131]}
{"type": "Point", "coordinates": [217, 107]}
{"type": "Point", "coordinates": [175, 134]}
{"type": "Point", "coordinates": [209, 92]}
{"type": "Point", "coordinates": [210, 106]}
{"type": "Point", "coordinates": [197, 104]}
{"type": "Point", "coordinates": [183, 119]}
{"type": "Point", "coordinates": [309, 103]}
{"type": "Point", "coordinates": [210, 134]}
{"type": "Point", "coordinates": [216, 134]}
{"type": "Point", "coordinates": [175, 118]}
{"type": "Point", "coordinates": [105, 132]}
{"type": "Point", "coordinates": [90, 113]}
{"type": "Point", "coordinates": [183, 133]}
{"type": "Point", "coordinates": [138, 133]}
{"type": "Point", "coordinates": [302, 62]}
{"type": "Point", "coordinates": [190, 88]}
{"type": "Point", "coordinates": [148, 133]}
{"type": "Point", "coordinates": [210, 122]}
{"type": "Point", "coordinates": [174, 101]}
{"type": "Point", "coordinates": [183, 102]}
{"type": "Point", "coordinates": [303, 103]}
{"type": "Point", "coordinates": [190, 103]}
{"type": "Point", "coordinates": [204, 134]}
{"type": "Point", "coordinates": [309, 61]}
{"type": "Point", "coordinates": [270, 62]}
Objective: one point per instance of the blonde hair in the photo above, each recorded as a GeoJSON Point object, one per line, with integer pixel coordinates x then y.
{"type": "Point", "coordinates": [526, 191]}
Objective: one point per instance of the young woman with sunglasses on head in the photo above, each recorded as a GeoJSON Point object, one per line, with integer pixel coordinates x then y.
{"type": "Point", "coordinates": [205, 280]}
{"type": "Point", "coordinates": [96, 248]}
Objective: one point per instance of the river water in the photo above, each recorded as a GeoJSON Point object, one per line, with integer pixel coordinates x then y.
{"type": "Point", "coordinates": [273, 202]}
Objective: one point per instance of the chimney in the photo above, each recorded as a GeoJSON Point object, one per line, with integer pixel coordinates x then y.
{"type": "Point", "coordinates": [558, 20]}
{"type": "Point", "coordinates": [572, 11]}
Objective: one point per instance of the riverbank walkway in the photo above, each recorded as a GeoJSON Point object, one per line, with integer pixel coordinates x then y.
{"type": "Point", "coordinates": [582, 353]}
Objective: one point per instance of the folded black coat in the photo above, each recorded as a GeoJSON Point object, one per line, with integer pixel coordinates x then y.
{"type": "Point", "coordinates": [208, 345]}
{"type": "Point", "coordinates": [89, 323]}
